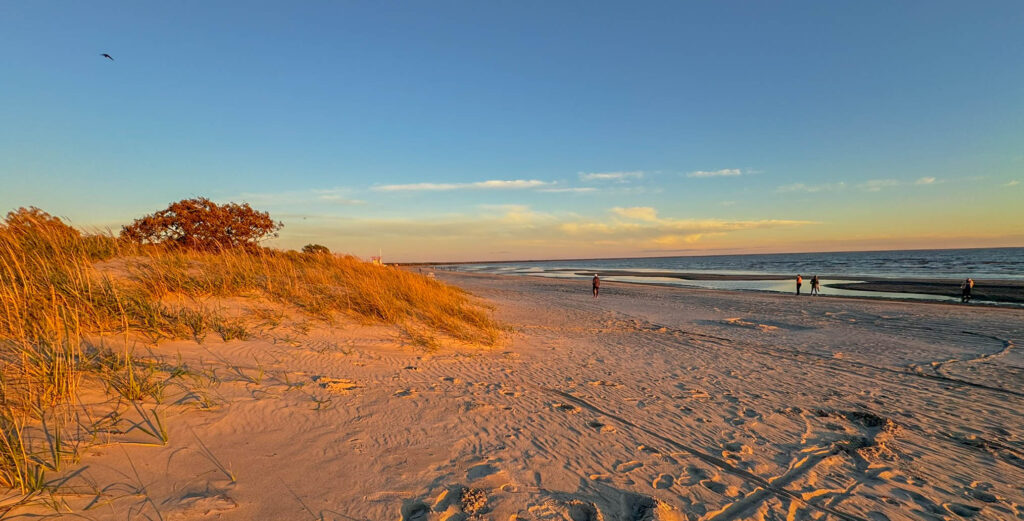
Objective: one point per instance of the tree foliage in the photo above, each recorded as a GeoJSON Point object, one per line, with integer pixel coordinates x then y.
{"type": "Point", "coordinates": [202, 224]}
{"type": "Point", "coordinates": [316, 249]}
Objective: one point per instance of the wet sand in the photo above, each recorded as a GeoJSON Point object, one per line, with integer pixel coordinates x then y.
{"type": "Point", "coordinates": [993, 291]}
{"type": "Point", "coordinates": [1011, 292]}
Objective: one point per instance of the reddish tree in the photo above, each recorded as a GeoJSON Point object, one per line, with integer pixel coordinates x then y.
{"type": "Point", "coordinates": [203, 224]}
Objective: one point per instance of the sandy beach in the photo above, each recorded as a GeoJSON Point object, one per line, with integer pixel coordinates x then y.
{"type": "Point", "coordinates": [333, 261]}
{"type": "Point", "coordinates": [647, 403]}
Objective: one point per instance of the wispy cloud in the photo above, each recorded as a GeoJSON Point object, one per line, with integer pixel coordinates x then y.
{"type": "Point", "coordinates": [611, 176]}
{"type": "Point", "coordinates": [725, 172]}
{"type": "Point", "coordinates": [800, 187]}
{"type": "Point", "coordinates": [877, 185]}
{"type": "Point", "coordinates": [578, 189]}
{"type": "Point", "coordinates": [871, 185]}
{"type": "Point", "coordinates": [640, 213]}
{"type": "Point", "coordinates": [520, 228]}
{"type": "Point", "coordinates": [1013, 182]}
{"type": "Point", "coordinates": [494, 184]}
{"type": "Point", "coordinates": [336, 196]}
{"type": "Point", "coordinates": [503, 207]}
{"type": "Point", "coordinates": [641, 224]}
{"type": "Point", "coordinates": [337, 199]}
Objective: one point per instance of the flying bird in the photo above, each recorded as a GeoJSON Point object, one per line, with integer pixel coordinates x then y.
{"type": "Point", "coordinates": [107, 56]}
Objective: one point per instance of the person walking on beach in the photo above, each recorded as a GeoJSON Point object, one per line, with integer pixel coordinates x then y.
{"type": "Point", "coordinates": [799, 282]}
{"type": "Point", "coordinates": [815, 285]}
{"type": "Point", "coordinates": [965, 290]}
{"type": "Point", "coordinates": [597, 285]}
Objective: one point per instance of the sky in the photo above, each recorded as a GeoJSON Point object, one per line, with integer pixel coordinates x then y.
{"type": "Point", "coordinates": [448, 131]}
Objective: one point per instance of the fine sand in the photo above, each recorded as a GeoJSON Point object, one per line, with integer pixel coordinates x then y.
{"type": "Point", "coordinates": [648, 403]}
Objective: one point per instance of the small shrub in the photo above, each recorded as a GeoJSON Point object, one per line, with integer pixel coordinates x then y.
{"type": "Point", "coordinates": [316, 249]}
{"type": "Point", "coordinates": [203, 225]}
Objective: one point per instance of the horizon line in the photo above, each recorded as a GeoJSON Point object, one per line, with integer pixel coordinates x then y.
{"type": "Point", "coordinates": [719, 255]}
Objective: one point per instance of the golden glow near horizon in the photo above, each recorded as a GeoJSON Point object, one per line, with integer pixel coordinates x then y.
{"type": "Point", "coordinates": [517, 232]}
{"type": "Point", "coordinates": [923, 214]}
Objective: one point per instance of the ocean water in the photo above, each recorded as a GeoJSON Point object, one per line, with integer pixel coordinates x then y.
{"type": "Point", "coordinates": [987, 264]}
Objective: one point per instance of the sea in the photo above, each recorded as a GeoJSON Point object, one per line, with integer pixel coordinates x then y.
{"type": "Point", "coordinates": [981, 264]}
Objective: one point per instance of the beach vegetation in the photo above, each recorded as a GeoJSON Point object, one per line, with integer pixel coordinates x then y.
{"type": "Point", "coordinates": [202, 224]}
{"type": "Point", "coordinates": [316, 249]}
{"type": "Point", "coordinates": [75, 307]}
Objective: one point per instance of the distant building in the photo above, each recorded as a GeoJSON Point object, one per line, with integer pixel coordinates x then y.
{"type": "Point", "coordinates": [376, 259]}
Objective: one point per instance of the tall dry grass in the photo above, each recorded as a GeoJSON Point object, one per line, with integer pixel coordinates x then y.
{"type": "Point", "coordinates": [53, 298]}
{"type": "Point", "coordinates": [320, 285]}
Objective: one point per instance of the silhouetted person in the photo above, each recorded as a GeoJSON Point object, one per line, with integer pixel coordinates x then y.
{"type": "Point", "coordinates": [799, 282]}
{"type": "Point", "coordinates": [815, 285]}
{"type": "Point", "coordinates": [107, 56]}
{"type": "Point", "coordinates": [597, 285]}
{"type": "Point", "coordinates": [965, 290]}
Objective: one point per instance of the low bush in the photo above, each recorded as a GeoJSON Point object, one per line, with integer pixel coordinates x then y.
{"type": "Point", "coordinates": [316, 249]}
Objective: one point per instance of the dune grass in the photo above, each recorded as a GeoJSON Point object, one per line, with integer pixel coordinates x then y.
{"type": "Point", "coordinates": [62, 293]}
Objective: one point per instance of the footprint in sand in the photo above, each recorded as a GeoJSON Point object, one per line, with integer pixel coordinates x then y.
{"type": "Point", "coordinates": [663, 481]}
{"type": "Point", "coordinates": [415, 511]}
{"type": "Point", "coordinates": [336, 385]}
{"type": "Point", "coordinates": [695, 475]}
{"type": "Point", "coordinates": [566, 407]}
{"type": "Point", "coordinates": [735, 450]}
{"type": "Point", "coordinates": [580, 511]}
{"type": "Point", "coordinates": [692, 393]}
{"type": "Point", "coordinates": [980, 491]}
{"type": "Point", "coordinates": [715, 486]}
{"type": "Point", "coordinates": [404, 393]}
{"type": "Point", "coordinates": [480, 471]}
{"type": "Point", "coordinates": [203, 505]}
{"type": "Point", "coordinates": [961, 509]}
{"type": "Point", "coordinates": [628, 466]}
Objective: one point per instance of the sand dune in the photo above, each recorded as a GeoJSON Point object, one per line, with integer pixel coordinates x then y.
{"type": "Point", "coordinates": [648, 403]}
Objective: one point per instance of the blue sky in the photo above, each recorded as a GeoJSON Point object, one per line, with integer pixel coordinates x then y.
{"type": "Point", "coordinates": [489, 130]}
